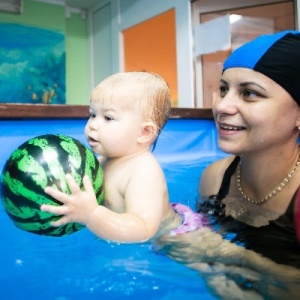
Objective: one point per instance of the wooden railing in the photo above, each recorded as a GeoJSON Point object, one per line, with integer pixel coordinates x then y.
{"type": "Point", "coordinates": [44, 111]}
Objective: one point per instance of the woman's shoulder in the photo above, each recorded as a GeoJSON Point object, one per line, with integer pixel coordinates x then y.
{"type": "Point", "coordinates": [212, 176]}
{"type": "Point", "coordinates": [220, 165]}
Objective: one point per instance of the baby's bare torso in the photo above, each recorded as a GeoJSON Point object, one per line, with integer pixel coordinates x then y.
{"type": "Point", "coordinates": [124, 185]}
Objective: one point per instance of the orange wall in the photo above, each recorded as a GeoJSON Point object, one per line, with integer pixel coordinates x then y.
{"type": "Point", "coordinates": [151, 46]}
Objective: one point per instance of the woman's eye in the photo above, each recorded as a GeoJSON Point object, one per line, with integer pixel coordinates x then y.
{"type": "Point", "coordinates": [92, 115]}
{"type": "Point", "coordinates": [250, 94]}
{"type": "Point", "coordinates": [223, 90]}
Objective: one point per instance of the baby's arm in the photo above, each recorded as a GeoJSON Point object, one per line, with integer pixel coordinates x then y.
{"type": "Point", "coordinates": [145, 198]}
{"type": "Point", "coordinates": [144, 201]}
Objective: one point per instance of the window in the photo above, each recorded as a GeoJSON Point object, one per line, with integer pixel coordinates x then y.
{"type": "Point", "coordinates": [234, 22]}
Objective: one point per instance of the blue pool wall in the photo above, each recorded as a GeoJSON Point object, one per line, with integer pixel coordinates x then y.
{"type": "Point", "coordinates": [188, 145]}
{"type": "Point", "coordinates": [81, 266]}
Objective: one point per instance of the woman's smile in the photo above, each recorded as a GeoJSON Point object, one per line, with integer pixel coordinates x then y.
{"type": "Point", "coordinates": [226, 129]}
{"type": "Point", "coordinates": [229, 127]}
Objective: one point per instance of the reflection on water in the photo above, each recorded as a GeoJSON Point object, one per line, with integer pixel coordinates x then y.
{"type": "Point", "coordinates": [80, 266]}
{"type": "Point", "coordinates": [232, 272]}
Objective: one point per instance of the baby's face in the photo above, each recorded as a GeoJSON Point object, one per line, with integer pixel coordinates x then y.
{"type": "Point", "coordinates": [113, 129]}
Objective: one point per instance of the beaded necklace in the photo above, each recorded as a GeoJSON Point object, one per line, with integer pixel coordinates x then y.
{"type": "Point", "coordinates": [278, 188]}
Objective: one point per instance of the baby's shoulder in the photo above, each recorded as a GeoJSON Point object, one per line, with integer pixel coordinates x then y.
{"type": "Point", "coordinates": [146, 160]}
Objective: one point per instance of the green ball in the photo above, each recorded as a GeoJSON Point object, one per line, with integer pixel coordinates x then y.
{"type": "Point", "coordinates": [44, 161]}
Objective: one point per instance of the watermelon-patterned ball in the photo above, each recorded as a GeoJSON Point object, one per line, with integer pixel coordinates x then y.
{"type": "Point", "coordinates": [44, 161]}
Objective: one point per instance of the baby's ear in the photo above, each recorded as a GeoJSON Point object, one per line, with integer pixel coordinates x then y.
{"type": "Point", "coordinates": [148, 133]}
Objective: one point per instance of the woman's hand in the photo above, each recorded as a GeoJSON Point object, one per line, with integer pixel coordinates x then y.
{"type": "Point", "coordinates": [76, 207]}
{"type": "Point", "coordinates": [228, 269]}
{"type": "Point", "coordinates": [191, 247]}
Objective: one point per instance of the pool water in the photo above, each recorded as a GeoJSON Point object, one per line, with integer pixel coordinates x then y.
{"type": "Point", "coordinates": [81, 266]}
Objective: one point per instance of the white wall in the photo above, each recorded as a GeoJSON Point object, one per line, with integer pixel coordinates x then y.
{"type": "Point", "coordinates": [126, 13]}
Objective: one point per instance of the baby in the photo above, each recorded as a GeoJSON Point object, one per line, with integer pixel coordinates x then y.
{"type": "Point", "coordinates": [127, 114]}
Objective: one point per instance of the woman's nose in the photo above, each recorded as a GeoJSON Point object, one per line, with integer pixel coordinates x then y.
{"type": "Point", "coordinates": [226, 104]}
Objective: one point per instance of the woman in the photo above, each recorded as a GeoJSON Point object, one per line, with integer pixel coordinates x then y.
{"type": "Point", "coordinates": [250, 195]}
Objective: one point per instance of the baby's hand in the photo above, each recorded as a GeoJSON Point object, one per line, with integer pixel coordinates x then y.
{"type": "Point", "coordinates": [76, 207]}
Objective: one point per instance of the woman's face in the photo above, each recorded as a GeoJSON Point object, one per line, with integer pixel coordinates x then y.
{"type": "Point", "coordinates": [252, 112]}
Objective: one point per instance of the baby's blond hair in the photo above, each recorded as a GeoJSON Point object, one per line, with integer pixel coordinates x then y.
{"type": "Point", "coordinates": [146, 91]}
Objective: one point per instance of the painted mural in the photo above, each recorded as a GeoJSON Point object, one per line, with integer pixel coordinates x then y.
{"type": "Point", "coordinates": [32, 65]}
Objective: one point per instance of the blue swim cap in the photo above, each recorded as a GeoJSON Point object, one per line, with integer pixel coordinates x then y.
{"type": "Point", "coordinates": [277, 56]}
